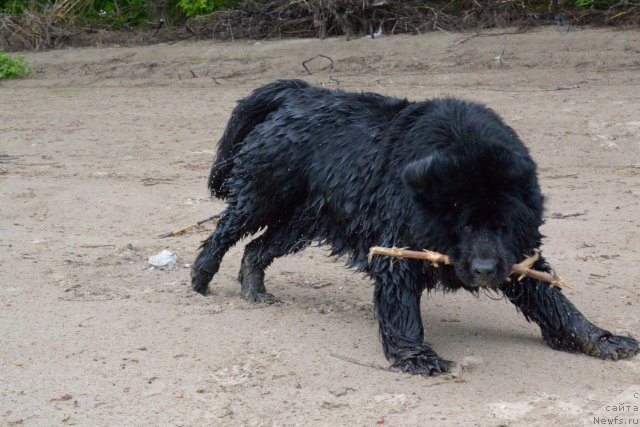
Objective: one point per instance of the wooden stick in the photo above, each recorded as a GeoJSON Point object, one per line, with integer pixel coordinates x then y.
{"type": "Point", "coordinates": [522, 269]}
{"type": "Point", "coordinates": [434, 257]}
{"type": "Point", "coordinates": [181, 230]}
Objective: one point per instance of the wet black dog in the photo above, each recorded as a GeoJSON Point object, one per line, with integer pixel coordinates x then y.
{"type": "Point", "coordinates": [359, 170]}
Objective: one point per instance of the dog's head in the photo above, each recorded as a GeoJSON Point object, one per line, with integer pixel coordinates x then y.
{"type": "Point", "coordinates": [480, 204]}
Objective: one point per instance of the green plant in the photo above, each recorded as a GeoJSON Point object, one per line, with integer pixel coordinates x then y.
{"type": "Point", "coordinates": [13, 6]}
{"type": "Point", "coordinates": [202, 7]}
{"type": "Point", "coordinates": [12, 66]}
{"type": "Point", "coordinates": [598, 4]}
{"type": "Point", "coordinates": [128, 13]}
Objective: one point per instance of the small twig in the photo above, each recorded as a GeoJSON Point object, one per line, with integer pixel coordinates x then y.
{"type": "Point", "coordinates": [466, 39]}
{"type": "Point", "coordinates": [155, 181]}
{"type": "Point", "coordinates": [38, 164]}
{"type": "Point", "coordinates": [569, 175]}
{"type": "Point", "coordinates": [380, 67]}
{"type": "Point", "coordinates": [522, 269]}
{"type": "Point", "coordinates": [531, 90]}
{"type": "Point", "coordinates": [558, 215]}
{"type": "Point", "coordinates": [97, 246]}
{"type": "Point", "coordinates": [230, 30]}
{"type": "Point", "coordinates": [438, 383]}
{"type": "Point", "coordinates": [561, 88]}
{"type": "Point", "coordinates": [505, 33]}
{"type": "Point", "coordinates": [357, 362]}
{"type": "Point", "coordinates": [304, 63]}
{"type": "Point", "coordinates": [181, 230]}
{"type": "Point", "coordinates": [440, 29]}
{"type": "Point", "coordinates": [504, 48]}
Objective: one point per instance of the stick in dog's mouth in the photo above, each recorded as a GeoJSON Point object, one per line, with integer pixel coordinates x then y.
{"type": "Point", "coordinates": [522, 269]}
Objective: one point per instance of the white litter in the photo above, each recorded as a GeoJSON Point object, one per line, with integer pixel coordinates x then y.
{"type": "Point", "coordinates": [164, 259]}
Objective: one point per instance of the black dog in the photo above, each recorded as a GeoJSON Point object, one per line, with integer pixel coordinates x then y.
{"type": "Point", "coordinates": [359, 170]}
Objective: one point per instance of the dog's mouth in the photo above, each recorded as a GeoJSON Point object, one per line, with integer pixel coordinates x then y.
{"type": "Point", "coordinates": [482, 273]}
{"type": "Point", "coordinates": [479, 283]}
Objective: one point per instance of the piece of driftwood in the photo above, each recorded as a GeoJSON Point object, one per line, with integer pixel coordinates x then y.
{"type": "Point", "coordinates": [181, 230]}
{"type": "Point", "coordinates": [522, 269]}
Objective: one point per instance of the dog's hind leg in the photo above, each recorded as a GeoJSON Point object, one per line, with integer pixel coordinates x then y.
{"type": "Point", "coordinates": [563, 326]}
{"type": "Point", "coordinates": [232, 227]}
{"type": "Point", "coordinates": [276, 241]}
{"type": "Point", "coordinates": [397, 305]}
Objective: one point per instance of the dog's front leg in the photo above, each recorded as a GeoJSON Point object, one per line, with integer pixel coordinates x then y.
{"type": "Point", "coordinates": [562, 325]}
{"type": "Point", "coordinates": [397, 306]}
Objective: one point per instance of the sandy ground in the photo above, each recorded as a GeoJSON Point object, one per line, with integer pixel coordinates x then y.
{"type": "Point", "coordinates": [104, 149]}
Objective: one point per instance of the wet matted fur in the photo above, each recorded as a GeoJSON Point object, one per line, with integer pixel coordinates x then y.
{"type": "Point", "coordinates": [355, 170]}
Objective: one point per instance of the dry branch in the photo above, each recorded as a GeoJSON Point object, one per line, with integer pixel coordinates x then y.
{"type": "Point", "coordinates": [62, 21]}
{"type": "Point", "coordinates": [353, 18]}
{"type": "Point", "coordinates": [322, 18]}
{"type": "Point", "coordinates": [522, 269]}
{"type": "Point", "coordinates": [181, 230]}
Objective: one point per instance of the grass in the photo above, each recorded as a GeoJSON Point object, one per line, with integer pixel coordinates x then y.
{"type": "Point", "coordinates": [12, 67]}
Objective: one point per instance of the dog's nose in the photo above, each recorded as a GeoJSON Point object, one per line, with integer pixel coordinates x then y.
{"type": "Point", "coordinates": [483, 267]}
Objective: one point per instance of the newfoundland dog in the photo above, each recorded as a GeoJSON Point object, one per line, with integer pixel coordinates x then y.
{"type": "Point", "coordinates": [356, 170]}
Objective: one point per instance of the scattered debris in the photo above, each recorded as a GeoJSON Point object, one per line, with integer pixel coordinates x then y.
{"type": "Point", "coordinates": [155, 181]}
{"type": "Point", "coordinates": [165, 259]}
{"type": "Point", "coordinates": [62, 398]}
{"type": "Point", "coordinates": [599, 257]}
{"type": "Point", "coordinates": [342, 391]}
{"type": "Point", "coordinates": [186, 228]}
{"type": "Point", "coordinates": [560, 176]}
{"type": "Point", "coordinates": [559, 215]}
{"type": "Point", "coordinates": [469, 363]}
{"type": "Point", "coordinates": [332, 405]}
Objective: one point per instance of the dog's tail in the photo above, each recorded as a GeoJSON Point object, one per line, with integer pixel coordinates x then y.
{"type": "Point", "coordinates": [249, 113]}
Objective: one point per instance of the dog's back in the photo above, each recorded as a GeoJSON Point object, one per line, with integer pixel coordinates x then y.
{"type": "Point", "coordinates": [288, 113]}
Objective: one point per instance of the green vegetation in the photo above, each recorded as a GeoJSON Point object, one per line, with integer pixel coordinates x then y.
{"type": "Point", "coordinates": [598, 4]}
{"type": "Point", "coordinates": [136, 13]}
{"type": "Point", "coordinates": [202, 7]}
{"type": "Point", "coordinates": [116, 13]}
{"type": "Point", "coordinates": [130, 13]}
{"type": "Point", "coordinates": [12, 67]}
{"type": "Point", "coordinates": [45, 24]}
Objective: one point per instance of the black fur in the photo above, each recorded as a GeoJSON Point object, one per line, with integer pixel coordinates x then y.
{"type": "Point", "coordinates": [358, 170]}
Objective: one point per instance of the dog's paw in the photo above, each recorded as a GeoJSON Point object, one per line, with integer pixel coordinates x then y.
{"type": "Point", "coordinates": [260, 297]}
{"type": "Point", "coordinates": [423, 364]}
{"type": "Point", "coordinates": [200, 281]}
{"type": "Point", "coordinates": [609, 346]}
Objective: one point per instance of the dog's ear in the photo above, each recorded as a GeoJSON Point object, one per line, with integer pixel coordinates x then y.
{"type": "Point", "coordinates": [422, 175]}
